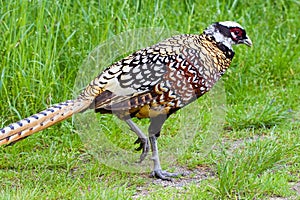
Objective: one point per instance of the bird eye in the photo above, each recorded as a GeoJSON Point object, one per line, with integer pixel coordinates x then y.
{"type": "Point", "coordinates": [236, 31]}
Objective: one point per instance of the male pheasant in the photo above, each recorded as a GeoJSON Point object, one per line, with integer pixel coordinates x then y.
{"type": "Point", "coordinates": [151, 83]}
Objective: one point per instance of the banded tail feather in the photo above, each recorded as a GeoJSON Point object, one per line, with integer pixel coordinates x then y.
{"type": "Point", "coordinates": [42, 120]}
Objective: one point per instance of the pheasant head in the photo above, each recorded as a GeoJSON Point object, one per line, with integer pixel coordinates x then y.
{"type": "Point", "coordinates": [228, 33]}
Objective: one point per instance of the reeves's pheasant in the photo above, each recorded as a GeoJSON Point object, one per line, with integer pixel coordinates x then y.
{"type": "Point", "coordinates": [151, 83]}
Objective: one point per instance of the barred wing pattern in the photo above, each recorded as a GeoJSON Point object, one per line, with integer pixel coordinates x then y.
{"type": "Point", "coordinates": [161, 78]}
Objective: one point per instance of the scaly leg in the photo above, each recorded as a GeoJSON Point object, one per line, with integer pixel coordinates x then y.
{"type": "Point", "coordinates": [142, 139]}
{"type": "Point", "coordinates": [154, 132]}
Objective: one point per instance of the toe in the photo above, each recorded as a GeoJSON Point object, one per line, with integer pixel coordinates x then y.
{"type": "Point", "coordinates": [164, 175]}
{"type": "Point", "coordinates": [158, 174]}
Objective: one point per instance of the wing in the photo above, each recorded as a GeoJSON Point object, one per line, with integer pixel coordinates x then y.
{"type": "Point", "coordinates": [133, 76]}
{"type": "Point", "coordinates": [172, 73]}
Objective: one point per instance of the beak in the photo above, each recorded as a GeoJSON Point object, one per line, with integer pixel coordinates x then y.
{"type": "Point", "coordinates": [247, 42]}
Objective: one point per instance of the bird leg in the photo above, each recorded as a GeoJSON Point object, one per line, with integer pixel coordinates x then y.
{"type": "Point", "coordinates": [154, 132]}
{"type": "Point", "coordinates": [142, 139]}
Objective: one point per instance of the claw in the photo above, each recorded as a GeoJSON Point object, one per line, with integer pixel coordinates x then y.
{"type": "Point", "coordinates": [144, 146]}
{"type": "Point", "coordinates": [139, 141]}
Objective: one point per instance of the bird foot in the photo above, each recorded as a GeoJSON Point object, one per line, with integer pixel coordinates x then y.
{"type": "Point", "coordinates": [144, 146]}
{"type": "Point", "coordinates": [164, 175]}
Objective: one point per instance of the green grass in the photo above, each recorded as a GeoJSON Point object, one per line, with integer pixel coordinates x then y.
{"type": "Point", "coordinates": [256, 155]}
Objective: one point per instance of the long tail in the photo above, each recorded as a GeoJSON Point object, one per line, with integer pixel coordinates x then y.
{"type": "Point", "coordinates": [42, 120]}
